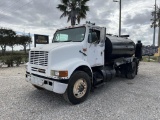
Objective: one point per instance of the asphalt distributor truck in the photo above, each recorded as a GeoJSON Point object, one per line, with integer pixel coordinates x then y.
{"type": "Point", "coordinates": [79, 59]}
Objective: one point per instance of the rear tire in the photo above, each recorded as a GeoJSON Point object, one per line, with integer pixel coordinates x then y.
{"type": "Point", "coordinates": [132, 71]}
{"type": "Point", "coordinates": [78, 88]}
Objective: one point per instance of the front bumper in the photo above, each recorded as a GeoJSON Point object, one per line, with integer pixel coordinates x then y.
{"type": "Point", "coordinates": [57, 86]}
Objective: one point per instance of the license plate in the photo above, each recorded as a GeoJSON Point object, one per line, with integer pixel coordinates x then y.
{"type": "Point", "coordinates": [37, 80]}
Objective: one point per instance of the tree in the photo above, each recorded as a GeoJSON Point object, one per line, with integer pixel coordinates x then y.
{"type": "Point", "coordinates": [3, 42]}
{"type": "Point", "coordinates": [74, 9]}
{"type": "Point", "coordinates": [7, 37]}
{"type": "Point", "coordinates": [24, 40]}
{"type": "Point", "coordinates": [11, 39]}
{"type": "Point", "coordinates": [156, 22]}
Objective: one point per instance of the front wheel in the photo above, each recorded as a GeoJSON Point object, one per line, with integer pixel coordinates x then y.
{"type": "Point", "coordinates": [78, 88]}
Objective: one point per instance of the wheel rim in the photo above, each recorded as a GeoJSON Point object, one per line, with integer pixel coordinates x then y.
{"type": "Point", "coordinates": [80, 88]}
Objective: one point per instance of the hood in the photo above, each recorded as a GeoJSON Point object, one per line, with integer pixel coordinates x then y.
{"type": "Point", "coordinates": [52, 46]}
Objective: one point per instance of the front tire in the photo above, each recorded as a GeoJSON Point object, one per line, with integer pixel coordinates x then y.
{"type": "Point", "coordinates": [78, 88]}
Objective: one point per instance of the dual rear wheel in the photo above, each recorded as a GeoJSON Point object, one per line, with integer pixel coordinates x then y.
{"type": "Point", "coordinates": [132, 71]}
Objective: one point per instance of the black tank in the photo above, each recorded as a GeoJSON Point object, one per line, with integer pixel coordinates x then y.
{"type": "Point", "coordinates": [117, 47]}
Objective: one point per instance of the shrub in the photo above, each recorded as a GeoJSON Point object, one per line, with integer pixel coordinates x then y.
{"type": "Point", "coordinates": [9, 60]}
{"type": "Point", "coordinates": [17, 60]}
{"type": "Point", "coordinates": [24, 58]}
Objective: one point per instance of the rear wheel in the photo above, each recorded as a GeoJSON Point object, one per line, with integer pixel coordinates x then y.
{"type": "Point", "coordinates": [132, 71]}
{"type": "Point", "coordinates": [78, 88]}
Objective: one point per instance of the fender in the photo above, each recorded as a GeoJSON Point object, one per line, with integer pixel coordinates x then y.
{"type": "Point", "coordinates": [121, 61]}
{"type": "Point", "coordinates": [71, 65]}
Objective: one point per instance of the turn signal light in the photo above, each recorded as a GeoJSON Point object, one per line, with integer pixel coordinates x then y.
{"type": "Point", "coordinates": [63, 73]}
{"type": "Point", "coordinates": [59, 73]}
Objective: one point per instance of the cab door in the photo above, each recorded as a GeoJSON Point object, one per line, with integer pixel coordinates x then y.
{"type": "Point", "coordinates": [95, 47]}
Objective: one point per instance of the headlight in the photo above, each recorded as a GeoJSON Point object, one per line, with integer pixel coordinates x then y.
{"type": "Point", "coordinates": [59, 73]}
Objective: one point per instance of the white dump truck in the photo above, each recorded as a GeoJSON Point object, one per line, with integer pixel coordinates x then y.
{"type": "Point", "coordinates": [79, 59]}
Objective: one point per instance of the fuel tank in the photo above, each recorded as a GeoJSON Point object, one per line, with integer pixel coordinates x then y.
{"type": "Point", "coordinates": [116, 47]}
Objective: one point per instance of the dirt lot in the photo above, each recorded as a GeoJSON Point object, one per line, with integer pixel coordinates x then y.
{"type": "Point", "coordinates": [119, 99]}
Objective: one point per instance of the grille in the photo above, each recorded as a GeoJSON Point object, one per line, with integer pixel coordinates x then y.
{"type": "Point", "coordinates": [39, 58]}
{"type": "Point", "coordinates": [38, 70]}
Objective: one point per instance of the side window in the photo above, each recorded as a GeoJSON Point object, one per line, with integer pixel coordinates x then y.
{"type": "Point", "coordinates": [98, 34]}
{"type": "Point", "coordinates": [94, 35]}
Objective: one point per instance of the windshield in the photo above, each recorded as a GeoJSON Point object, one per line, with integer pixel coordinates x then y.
{"type": "Point", "coordinates": [70, 35]}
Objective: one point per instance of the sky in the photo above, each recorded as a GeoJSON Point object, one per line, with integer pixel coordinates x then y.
{"type": "Point", "coordinates": [42, 17]}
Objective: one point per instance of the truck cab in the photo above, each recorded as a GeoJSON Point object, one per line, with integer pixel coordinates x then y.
{"type": "Point", "coordinates": [75, 62]}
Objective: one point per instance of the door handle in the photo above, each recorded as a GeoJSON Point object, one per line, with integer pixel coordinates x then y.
{"type": "Point", "coordinates": [83, 53]}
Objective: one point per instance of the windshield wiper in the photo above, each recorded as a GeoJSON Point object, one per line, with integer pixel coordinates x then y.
{"type": "Point", "coordinates": [63, 41]}
{"type": "Point", "coordinates": [55, 41]}
{"type": "Point", "coordinates": [67, 41]}
{"type": "Point", "coordinates": [77, 41]}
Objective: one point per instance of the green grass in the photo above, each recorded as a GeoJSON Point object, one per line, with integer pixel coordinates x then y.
{"type": "Point", "coordinates": [152, 59]}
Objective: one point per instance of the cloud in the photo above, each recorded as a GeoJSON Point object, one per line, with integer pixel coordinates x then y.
{"type": "Point", "coordinates": [140, 18]}
{"type": "Point", "coordinates": [42, 17]}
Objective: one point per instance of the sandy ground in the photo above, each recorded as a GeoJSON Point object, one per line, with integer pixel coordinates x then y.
{"type": "Point", "coordinates": [119, 99]}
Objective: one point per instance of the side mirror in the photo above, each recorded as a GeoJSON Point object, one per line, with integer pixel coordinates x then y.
{"type": "Point", "coordinates": [103, 34]}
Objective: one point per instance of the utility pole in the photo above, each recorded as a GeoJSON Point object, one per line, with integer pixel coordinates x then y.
{"type": "Point", "coordinates": [154, 25]}
{"type": "Point", "coordinates": [158, 25]}
{"type": "Point", "coordinates": [120, 13]}
{"type": "Point", "coordinates": [159, 35]}
{"type": "Point", "coordinates": [29, 43]}
{"type": "Point", "coordinates": [120, 5]}
{"type": "Point", "coordinates": [158, 15]}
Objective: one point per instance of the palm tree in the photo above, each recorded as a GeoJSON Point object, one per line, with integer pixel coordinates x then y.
{"type": "Point", "coordinates": [74, 9]}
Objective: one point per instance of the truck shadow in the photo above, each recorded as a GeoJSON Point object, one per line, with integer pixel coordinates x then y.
{"type": "Point", "coordinates": [53, 100]}
{"type": "Point", "coordinates": [110, 86]}
{"type": "Point", "coordinates": [46, 98]}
